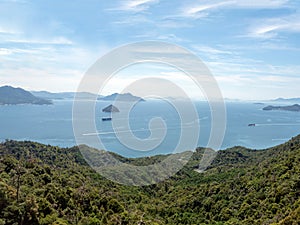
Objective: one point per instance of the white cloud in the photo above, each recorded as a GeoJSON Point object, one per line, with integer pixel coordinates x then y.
{"type": "Point", "coordinates": [258, 87]}
{"type": "Point", "coordinates": [5, 30]}
{"type": "Point", "coordinates": [170, 37]}
{"type": "Point", "coordinates": [135, 5]}
{"type": "Point", "coordinates": [236, 80]}
{"type": "Point", "coordinates": [172, 22]}
{"type": "Point", "coordinates": [41, 79]}
{"type": "Point", "coordinates": [159, 81]}
{"type": "Point", "coordinates": [5, 51]}
{"type": "Point", "coordinates": [195, 11]}
{"type": "Point", "coordinates": [133, 20]}
{"type": "Point", "coordinates": [210, 50]}
{"type": "Point", "coordinates": [53, 68]}
{"type": "Point", "coordinates": [251, 68]}
{"type": "Point", "coordinates": [270, 28]}
{"type": "Point", "coordinates": [14, 50]}
{"type": "Point", "coordinates": [53, 41]}
{"type": "Point", "coordinates": [204, 7]}
{"type": "Point", "coordinates": [261, 3]}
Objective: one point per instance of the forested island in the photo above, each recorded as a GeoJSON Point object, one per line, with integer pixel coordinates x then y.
{"type": "Point", "coordinates": [126, 97]}
{"type": "Point", "coordinates": [294, 108]}
{"type": "Point", "coordinates": [43, 184]}
{"type": "Point", "coordinates": [13, 96]}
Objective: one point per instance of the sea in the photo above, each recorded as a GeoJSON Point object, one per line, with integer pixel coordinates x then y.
{"type": "Point", "coordinates": [53, 125]}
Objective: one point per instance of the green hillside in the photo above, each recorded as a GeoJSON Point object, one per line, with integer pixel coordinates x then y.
{"type": "Point", "coordinates": [42, 184]}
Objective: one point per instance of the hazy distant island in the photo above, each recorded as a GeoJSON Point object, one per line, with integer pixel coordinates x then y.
{"type": "Point", "coordinates": [127, 97]}
{"type": "Point", "coordinates": [13, 96]}
{"type": "Point", "coordinates": [286, 100]}
{"type": "Point", "coordinates": [294, 108]}
{"type": "Point", "coordinates": [63, 95]}
{"type": "Point", "coordinates": [85, 95]}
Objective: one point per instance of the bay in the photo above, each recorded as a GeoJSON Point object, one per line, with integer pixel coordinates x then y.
{"type": "Point", "coordinates": [52, 124]}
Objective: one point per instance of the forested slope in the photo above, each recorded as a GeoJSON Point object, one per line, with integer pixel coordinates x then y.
{"type": "Point", "coordinates": [42, 184]}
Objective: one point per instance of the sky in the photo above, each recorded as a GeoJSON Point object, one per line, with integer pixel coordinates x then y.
{"type": "Point", "coordinates": [252, 47]}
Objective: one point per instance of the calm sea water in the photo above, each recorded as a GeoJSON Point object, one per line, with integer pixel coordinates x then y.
{"type": "Point", "coordinates": [53, 125]}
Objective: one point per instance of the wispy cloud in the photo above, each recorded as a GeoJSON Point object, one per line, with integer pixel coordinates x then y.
{"type": "Point", "coordinates": [270, 28]}
{"type": "Point", "coordinates": [14, 50]}
{"type": "Point", "coordinates": [134, 12]}
{"type": "Point", "coordinates": [4, 30]}
{"type": "Point", "coordinates": [54, 68]}
{"type": "Point", "coordinates": [250, 67]}
{"type": "Point", "coordinates": [170, 37]}
{"type": "Point", "coordinates": [5, 51]}
{"type": "Point", "coordinates": [267, 4]}
{"type": "Point", "coordinates": [53, 41]}
{"type": "Point", "coordinates": [173, 22]}
{"type": "Point", "coordinates": [207, 50]}
{"type": "Point", "coordinates": [259, 83]}
{"type": "Point", "coordinates": [135, 5]}
{"type": "Point", "coordinates": [200, 10]}
{"type": "Point", "coordinates": [204, 8]}
{"type": "Point", "coordinates": [133, 20]}
{"type": "Point", "coordinates": [41, 79]}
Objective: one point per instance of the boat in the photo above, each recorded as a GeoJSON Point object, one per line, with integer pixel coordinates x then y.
{"type": "Point", "coordinates": [106, 118]}
{"type": "Point", "coordinates": [251, 125]}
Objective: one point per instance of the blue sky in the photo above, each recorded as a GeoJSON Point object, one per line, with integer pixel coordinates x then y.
{"type": "Point", "coordinates": [252, 47]}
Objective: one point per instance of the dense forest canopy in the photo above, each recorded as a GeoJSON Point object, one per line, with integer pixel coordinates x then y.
{"type": "Point", "coordinates": [43, 184]}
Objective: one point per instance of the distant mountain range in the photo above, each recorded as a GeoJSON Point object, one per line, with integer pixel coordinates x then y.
{"type": "Point", "coordinates": [12, 96]}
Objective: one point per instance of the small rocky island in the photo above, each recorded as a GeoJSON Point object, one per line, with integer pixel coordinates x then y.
{"type": "Point", "coordinates": [293, 108]}
{"type": "Point", "coordinates": [110, 109]}
{"type": "Point", "coordinates": [13, 96]}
